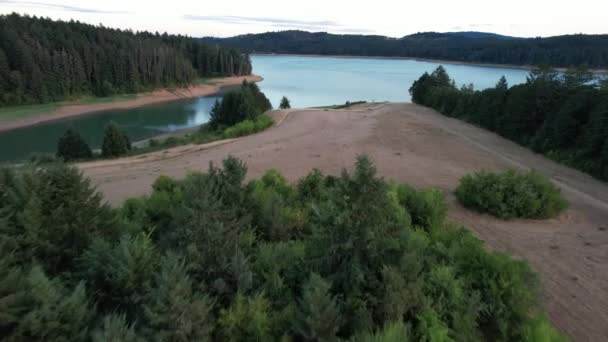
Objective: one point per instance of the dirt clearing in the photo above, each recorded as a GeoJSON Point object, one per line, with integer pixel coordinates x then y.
{"type": "Point", "coordinates": [415, 145]}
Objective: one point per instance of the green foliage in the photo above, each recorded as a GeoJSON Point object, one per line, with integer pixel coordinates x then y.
{"type": "Point", "coordinates": [246, 103]}
{"type": "Point", "coordinates": [211, 257]}
{"type": "Point", "coordinates": [115, 328]}
{"type": "Point", "coordinates": [247, 319]}
{"type": "Point", "coordinates": [564, 116]}
{"type": "Point", "coordinates": [71, 146]}
{"type": "Point", "coordinates": [318, 317]}
{"type": "Point", "coordinates": [115, 142]}
{"type": "Point", "coordinates": [248, 127]}
{"type": "Point", "coordinates": [54, 313]}
{"type": "Point", "coordinates": [120, 272]}
{"type": "Point", "coordinates": [175, 310]}
{"type": "Point", "coordinates": [285, 103]}
{"type": "Point", "coordinates": [511, 194]}
{"type": "Point", "coordinates": [50, 214]}
{"type": "Point", "coordinates": [42, 60]}
{"type": "Point", "coordinates": [391, 332]}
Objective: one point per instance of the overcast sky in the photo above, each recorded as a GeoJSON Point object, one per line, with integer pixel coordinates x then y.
{"type": "Point", "coordinates": [396, 18]}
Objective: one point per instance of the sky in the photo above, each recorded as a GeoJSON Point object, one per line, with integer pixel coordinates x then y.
{"type": "Point", "coordinates": [394, 18]}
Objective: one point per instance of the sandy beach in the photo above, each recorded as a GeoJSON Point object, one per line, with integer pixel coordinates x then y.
{"type": "Point", "coordinates": [160, 95]}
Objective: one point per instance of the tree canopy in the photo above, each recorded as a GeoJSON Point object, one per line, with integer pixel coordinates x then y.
{"type": "Point", "coordinates": [212, 257]}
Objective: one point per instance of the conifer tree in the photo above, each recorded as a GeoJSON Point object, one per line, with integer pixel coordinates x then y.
{"type": "Point", "coordinates": [285, 103]}
{"type": "Point", "coordinates": [318, 317]}
{"type": "Point", "coordinates": [174, 310]}
{"type": "Point", "coordinates": [71, 146]}
{"type": "Point", "coordinates": [115, 328]}
{"type": "Point", "coordinates": [115, 142]}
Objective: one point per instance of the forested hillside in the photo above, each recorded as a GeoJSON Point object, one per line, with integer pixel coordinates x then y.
{"type": "Point", "coordinates": [42, 60]}
{"type": "Point", "coordinates": [564, 116]}
{"type": "Point", "coordinates": [475, 47]}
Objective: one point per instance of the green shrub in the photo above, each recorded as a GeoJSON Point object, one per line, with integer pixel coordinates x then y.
{"type": "Point", "coordinates": [248, 127]}
{"type": "Point", "coordinates": [511, 194]}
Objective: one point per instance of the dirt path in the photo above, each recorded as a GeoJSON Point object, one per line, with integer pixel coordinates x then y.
{"type": "Point", "coordinates": [418, 146]}
{"type": "Point", "coordinates": [161, 95]}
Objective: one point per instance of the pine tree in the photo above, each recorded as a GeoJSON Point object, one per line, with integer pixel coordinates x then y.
{"type": "Point", "coordinates": [247, 319]}
{"type": "Point", "coordinates": [71, 146]}
{"type": "Point", "coordinates": [318, 317]}
{"type": "Point", "coordinates": [55, 312]}
{"type": "Point", "coordinates": [285, 103]}
{"type": "Point", "coordinates": [115, 328]}
{"type": "Point", "coordinates": [115, 142]}
{"type": "Point", "coordinates": [174, 310]}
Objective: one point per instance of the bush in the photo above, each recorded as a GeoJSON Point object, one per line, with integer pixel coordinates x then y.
{"type": "Point", "coordinates": [71, 146]}
{"type": "Point", "coordinates": [248, 127]}
{"type": "Point", "coordinates": [511, 194]}
{"type": "Point", "coordinates": [115, 142]}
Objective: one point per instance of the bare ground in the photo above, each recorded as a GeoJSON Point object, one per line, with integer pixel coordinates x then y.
{"type": "Point", "coordinates": [416, 145]}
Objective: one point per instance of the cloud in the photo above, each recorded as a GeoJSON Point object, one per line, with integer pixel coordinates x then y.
{"type": "Point", "coordinates": [310, 25]}
{"type": "Point", "coordinates": [60, 7]}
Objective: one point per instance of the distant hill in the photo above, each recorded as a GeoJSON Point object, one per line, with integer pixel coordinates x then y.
{"type": "Point", "coordinates": [474, 47]}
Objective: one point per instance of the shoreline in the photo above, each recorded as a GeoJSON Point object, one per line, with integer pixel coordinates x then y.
{"type": "Point", "coordinates": [215, 85]}
{"type": "Point", "coordinates": [417, 59]}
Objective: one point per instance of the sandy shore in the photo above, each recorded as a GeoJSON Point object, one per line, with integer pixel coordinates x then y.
{"type": "Point", "coordinates": [157, 96]}
{"type": "Point", "coordinates": [439, 61]}
{"type": "Point", "coordinates": [416, 145]}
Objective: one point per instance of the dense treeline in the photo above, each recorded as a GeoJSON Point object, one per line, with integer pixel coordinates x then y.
{"type": "Point", "coordinates": [562, 115]}
{"type": "Point", "coordinates": [473, 47]}
{"type": "Point", "coordinates": [42, 60]}
{"type": "Point", "coordinates": [211, 257]}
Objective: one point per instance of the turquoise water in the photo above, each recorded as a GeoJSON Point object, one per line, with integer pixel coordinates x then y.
{"type": "Point", "coordinates": [306, 81]}
{"type": "Point", "coordinates": [322, 81]}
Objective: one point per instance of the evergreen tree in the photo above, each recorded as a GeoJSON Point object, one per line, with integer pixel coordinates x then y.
{"type": "Point", "coordinates": [54, 312]}
{"type": "Point", "coordinates": [71, 146]}
{"type": "Point", "coordinates": [115, 329]}
{"type": "Point", "coordinates": [175, 311]}
{"type": "Point", "coordinates": [115, 142]}
{"type": "Point", "coordinates": [318, 317]}
{"type": "Point", "coordinates": [285, 103]}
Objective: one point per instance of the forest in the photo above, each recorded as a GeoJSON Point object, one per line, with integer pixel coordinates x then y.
{"type": "Point", "coordinates": [42, 60]}
{"type": "Point", "coordinates": [213, 257]}
{"type": "Point", "coordinates": [472, 47]}
{"type": "Point", "coordinates": [561, 115]}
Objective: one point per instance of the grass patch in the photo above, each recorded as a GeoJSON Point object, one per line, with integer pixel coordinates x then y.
{"type": "Point", "coordinates": [346, 104]}
{"type": "Point", "coordinates": [248, 127]}
{"type": "Point", "coordinates": [27, 111]}
{"type": "Point", "coordinates": [34, 110]}
{"type": "Point", "coordinates": [206, 134]}
{"type": "Point", "coordinates": [511, 194]}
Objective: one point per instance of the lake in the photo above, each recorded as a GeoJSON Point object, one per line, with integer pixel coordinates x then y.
{"type": "Point", "coordinates": [306, 81]}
